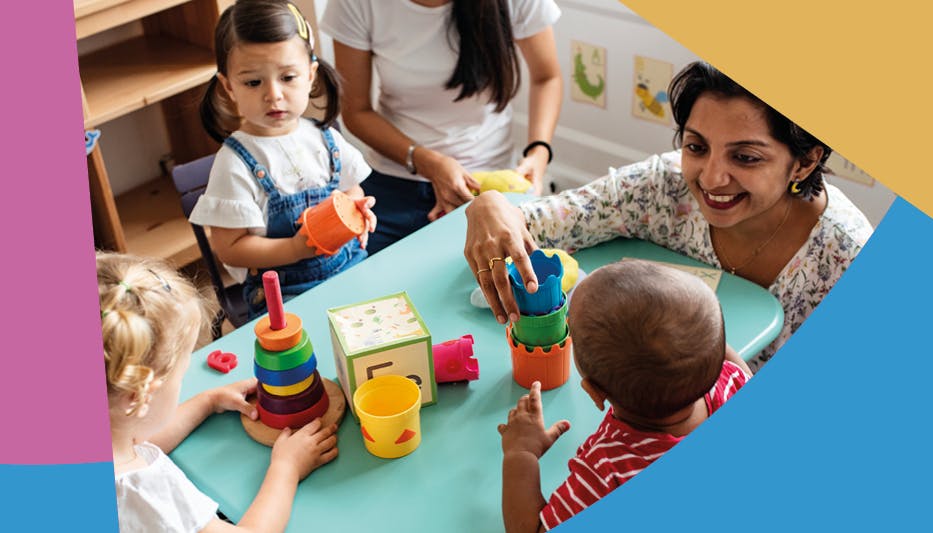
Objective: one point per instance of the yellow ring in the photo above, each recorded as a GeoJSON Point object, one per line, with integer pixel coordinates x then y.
{"type": "Point", "coordinates": [478, 272]}
{"type": "Point", "coordinates": [288, 390]}
{"type": "Point", "coordinates": [493, 261]}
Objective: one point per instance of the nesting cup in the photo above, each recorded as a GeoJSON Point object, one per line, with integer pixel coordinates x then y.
{"type": "Point", "coordinates": [389, 409]}
{"type": "Point", "coordinates": [332, 223]}
{"type": "Point", "coordinates": [549, 365]}
{"type": "Point", "coordinates": [542, 330]}
{"type": "Point", "coordinates": [549, 270]}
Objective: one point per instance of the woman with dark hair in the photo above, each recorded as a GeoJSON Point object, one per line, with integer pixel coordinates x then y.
{"type": "Point", "coordinates": [744, 193]}
{"type": "Point", "coordinates": [447, 71]}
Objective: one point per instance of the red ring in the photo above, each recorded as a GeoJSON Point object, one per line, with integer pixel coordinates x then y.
{"type": "Point", "coordinates": [294, 420]}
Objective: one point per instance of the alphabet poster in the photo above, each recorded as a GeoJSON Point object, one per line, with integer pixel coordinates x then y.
{"type": "Point", "coordinates": [588, 82]}
{"type": "Point", "coordinates": [649, 94]}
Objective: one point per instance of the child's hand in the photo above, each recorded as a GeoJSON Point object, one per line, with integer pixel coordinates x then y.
{"type": "Point", "coordinates": [232, 397]}
{"type": "Point", "coordinates": [365, 206]}
{"type": "Point", "coordinates": [524, 431]}
{"type": "Point", "coordinates": [304, 450]}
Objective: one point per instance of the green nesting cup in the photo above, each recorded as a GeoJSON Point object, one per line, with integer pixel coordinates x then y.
{"type": "Point", "coordinates": [542, 330]}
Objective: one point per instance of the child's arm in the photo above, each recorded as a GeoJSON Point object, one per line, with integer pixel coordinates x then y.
{"type": "Point", "coordinates": [195, 410]}
{"type": "Point", "coordinates": [294, 456]}
{"type": "Point", "coordinates": [733, 356]}
{"type": "Point", "coordinates": [237, 247]}
{"type": "Point", "coordinates": [524, 441]}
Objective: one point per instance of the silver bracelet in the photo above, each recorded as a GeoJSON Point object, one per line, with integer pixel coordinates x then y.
{"type": "Point", "coordinates": [409, 160]}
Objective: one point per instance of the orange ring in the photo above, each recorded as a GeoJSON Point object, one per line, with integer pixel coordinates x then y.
{"type": "Point", "coordinates": [279, 340]}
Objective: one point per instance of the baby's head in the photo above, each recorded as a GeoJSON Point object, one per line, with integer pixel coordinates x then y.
{"type": "Point", "coordinates": [650, 337]}
{"type": "Point", "coordinates": [151, 317]}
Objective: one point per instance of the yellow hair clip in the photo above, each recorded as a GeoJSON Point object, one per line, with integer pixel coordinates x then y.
{"type": "Point", "coordinates": [300, 20]}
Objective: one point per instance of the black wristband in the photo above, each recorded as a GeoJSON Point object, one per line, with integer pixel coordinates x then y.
{"type": "Point", "coordinates": [550, 153]}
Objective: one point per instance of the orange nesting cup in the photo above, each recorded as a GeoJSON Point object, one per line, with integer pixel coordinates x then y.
{"type": "Point", "coordinates": [548, 364]}
{"type": "Point", "coordinates": [332, 223]}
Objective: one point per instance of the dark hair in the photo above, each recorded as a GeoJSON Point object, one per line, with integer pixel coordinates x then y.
{"type": "Point", "coordinates": [700, 77]}
{"type": "Point", "coordinates": [649, 336]}
{"type": "Point", "coordinates": [260, 21]}
{"type": "Point", "coordinates": [487, 59]}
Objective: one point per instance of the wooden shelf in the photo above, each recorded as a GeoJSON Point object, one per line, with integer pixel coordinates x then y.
{"type": "Point", "coordinates": [154, 224]}
{"type": "Point", "coordinates": [139, 72]}
{"type": "Point", "coordinates": [95, 16]}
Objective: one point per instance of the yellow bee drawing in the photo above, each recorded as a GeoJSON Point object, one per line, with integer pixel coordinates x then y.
{"type": "Point", "coordinates": [653, 104]}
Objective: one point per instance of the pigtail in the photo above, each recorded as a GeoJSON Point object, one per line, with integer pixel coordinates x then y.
{"type": "Point", "coordinates": [216, 112]}
{"type": "Point", "coordinates": [327, 84]}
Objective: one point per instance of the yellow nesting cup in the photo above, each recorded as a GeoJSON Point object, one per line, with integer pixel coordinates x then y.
{"type": "Point", "coordinates": [389, 410]}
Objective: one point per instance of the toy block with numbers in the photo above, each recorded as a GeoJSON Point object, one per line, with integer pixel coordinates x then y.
{"type": "Point", "coordinates": [382, 336]}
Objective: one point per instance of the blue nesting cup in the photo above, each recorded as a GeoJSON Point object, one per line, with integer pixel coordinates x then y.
{"type": "Point", "coordinates": [550, 273]}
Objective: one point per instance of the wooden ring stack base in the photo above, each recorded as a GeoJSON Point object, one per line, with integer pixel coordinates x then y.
{"type": "Point", "coordinates": [264, 434]}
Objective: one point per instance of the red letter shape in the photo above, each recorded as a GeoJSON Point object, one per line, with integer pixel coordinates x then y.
{"type": "Point", "coordinates": [221, 361]}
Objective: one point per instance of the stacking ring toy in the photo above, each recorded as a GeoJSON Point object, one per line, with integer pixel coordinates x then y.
{"type": "Point", "coordinates": [282, 405]}
{"type": "Point", "coordinates": [284, 360]}
{"type": "Point", "coordinates": [294, 420]}
{"type": "Point", "coordinates": [290, 390]}
{"type": "Point", "coordinates": [277, 340]}
{"type": "Point", "coordinates": [286, 377]}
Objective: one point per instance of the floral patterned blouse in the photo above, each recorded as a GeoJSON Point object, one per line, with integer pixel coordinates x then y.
{"type": "Point", "coordinates": [649, 200]}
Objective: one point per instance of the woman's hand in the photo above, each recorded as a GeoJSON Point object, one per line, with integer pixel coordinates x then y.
{"type": "Point", "coordinates": [453, 185]}
{"type": "Point", "coordinates": [232, 397]}
{"type": "Point", "coordinates": [533, 167]}
{"type": "Point", "coordinates": [496, 229]}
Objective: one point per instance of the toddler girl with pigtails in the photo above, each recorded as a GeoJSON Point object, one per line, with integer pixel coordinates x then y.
{"type": "Point", "coordinates": [151, 319]}
{"type": "Point", "coordinates": [273, 163]}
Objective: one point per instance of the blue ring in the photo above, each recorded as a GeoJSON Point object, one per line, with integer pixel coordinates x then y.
{"type": "Point", "coordinates": [283, 378]}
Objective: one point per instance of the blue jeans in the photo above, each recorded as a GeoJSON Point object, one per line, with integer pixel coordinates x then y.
{"type": "Point", "coordinates": [402, 207]}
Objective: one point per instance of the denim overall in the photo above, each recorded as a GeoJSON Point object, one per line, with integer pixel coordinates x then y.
{"type": "Point", "coordinates": [282, 212]}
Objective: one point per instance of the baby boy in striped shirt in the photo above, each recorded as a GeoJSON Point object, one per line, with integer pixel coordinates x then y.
{"type": "Point", "coordinates": [649, 340]}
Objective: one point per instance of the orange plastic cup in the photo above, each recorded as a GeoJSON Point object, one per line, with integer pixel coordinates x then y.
{"type": "Point", "coordinates": [548, 364]}
{"type": "Point", "coordinates": [332, 223]}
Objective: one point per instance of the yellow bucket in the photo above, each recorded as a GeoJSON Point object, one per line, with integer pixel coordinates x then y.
{"type": "Point", "coordinates": [389, 410]}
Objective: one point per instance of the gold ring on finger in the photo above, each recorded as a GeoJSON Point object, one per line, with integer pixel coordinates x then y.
{"type": "Point", "coordinates": [493, 261]}
{"type": "Point", "coordinates": [480, 271]}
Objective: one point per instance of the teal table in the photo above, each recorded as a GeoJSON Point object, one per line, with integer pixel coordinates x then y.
{"type": "Point", "coordinates": [452, 482]}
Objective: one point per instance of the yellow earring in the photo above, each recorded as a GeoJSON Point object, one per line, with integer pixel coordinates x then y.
{"type": "Point", "coordinates": [795, 187]}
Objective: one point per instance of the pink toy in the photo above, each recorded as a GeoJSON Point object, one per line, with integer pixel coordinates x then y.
{"type": "Point", "coordinates": [454, 361]}
{"type": "Point", "coordinates": [221, 361]}
{"type": "Point", "coordinates": [270, 285]}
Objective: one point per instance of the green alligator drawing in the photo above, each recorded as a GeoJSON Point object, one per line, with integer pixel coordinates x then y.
{"type": "Point", "coordinates": [579, 76]}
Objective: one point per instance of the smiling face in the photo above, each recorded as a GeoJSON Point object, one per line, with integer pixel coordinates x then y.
{"type": "Point", "coordinates": [270, 84]}
{"type": "Point", "coordinates": [738, 172]}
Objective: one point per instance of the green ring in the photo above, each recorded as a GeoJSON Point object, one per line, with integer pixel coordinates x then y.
{"type": "Point", "coordinates": [286, 359]}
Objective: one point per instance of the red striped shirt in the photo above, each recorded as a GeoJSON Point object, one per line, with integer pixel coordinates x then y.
{"type": "Point", "coordinates": [616, 452]}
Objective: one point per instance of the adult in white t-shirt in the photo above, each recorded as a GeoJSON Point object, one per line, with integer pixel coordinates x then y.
{"type": "Point", "coordinates": [447, 71]}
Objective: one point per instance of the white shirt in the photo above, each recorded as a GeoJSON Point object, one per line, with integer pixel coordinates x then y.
{"type": "Point", "coordinates": [159, 497]}
{"type": "Point", "coordinates": [414, 56]}
{"type": "Point", "coordinates": [296, 161]}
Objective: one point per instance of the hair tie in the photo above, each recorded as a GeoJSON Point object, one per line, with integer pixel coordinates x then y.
{"type": "Point", "coordinates": [300, 21]}
{"type": "Point", "coordinates": [126, 286]}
